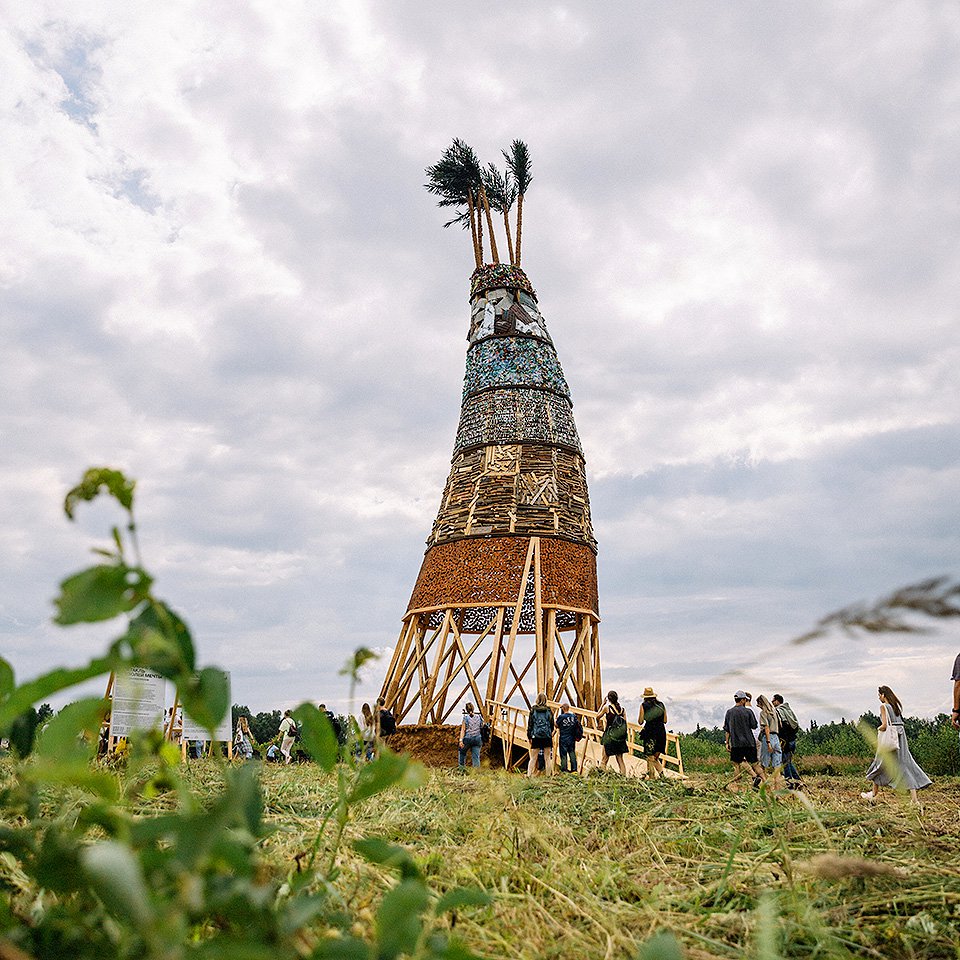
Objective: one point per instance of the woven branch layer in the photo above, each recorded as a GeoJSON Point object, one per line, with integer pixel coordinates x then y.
{"type": "Point", "coordinates": [530, 489]}
{"type": "Point", "coordinates": [488, 571]}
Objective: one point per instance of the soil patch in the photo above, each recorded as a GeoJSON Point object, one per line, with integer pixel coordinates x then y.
{"type": "Point", "coordinates": [435, 745]}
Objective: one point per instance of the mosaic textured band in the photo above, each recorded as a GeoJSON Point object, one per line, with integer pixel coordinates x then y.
{"type": "Point", "coordinates": [505, 313]}
{"type": "Point", "coordinates": [488, 571]}
{"type": "Point", "coordinates": [513, 362]}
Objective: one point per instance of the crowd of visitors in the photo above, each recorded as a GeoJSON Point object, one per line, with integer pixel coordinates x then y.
{"type": "Point", "coordinates": [760, 736]}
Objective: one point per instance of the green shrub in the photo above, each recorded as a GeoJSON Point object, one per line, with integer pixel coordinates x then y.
{"type": "Point", "coordinates": [84, 874]}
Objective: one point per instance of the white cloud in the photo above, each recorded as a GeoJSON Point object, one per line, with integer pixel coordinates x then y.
{"type": "Point", "coordinates": [219, 272]}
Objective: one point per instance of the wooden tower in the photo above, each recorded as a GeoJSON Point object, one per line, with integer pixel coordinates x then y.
{"type": "Point", "coordinates": [505, 605]}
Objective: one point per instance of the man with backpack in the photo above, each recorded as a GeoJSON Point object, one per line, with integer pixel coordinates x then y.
{"type": "Point", "coordinates": [789, 730]}
{"type": "Point", "coordinates": [571, 730]}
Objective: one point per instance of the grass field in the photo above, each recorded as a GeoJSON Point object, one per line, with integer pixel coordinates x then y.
{"type": "Point", "coordinates": [592, 868]}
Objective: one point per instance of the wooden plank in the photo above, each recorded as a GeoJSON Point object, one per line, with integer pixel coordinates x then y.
{"type": "Point", "coordinates": [390, 683]}
{"type": "Point", "coordinates": [427, 677]}
{"type": "Point", "coordinates": [497, 653]}
{"type": "Point", "coordinates": [463, 664]}
{"type": "Point", "coordinates": [420, 651]}
{"type": "Point", "coordinates": [515, 626]}
{"type": "Point", "coordinates": [538, 621]}
{"type": "Point", "coordinates": [460, 695]}
{"type": "Point", "coordinates": [550, 636]}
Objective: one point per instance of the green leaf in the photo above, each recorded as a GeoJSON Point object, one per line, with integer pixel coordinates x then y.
{"type": "Point", "coordinates": [377, 775]}
{"type": "Point", "coordinates": [34, 691]}
{"type": "Point", "coordinates": [160, 641]}
{"type": "Point", "coordinates": [7, 682]}
{"type": "Point", "coordinates": [663, 945]}
{"type": "Point", "coordinates": [342, 948]}
{"type": "Point", "coordinates": [300, 911]}
{"type": "Point", "coordinates": [114, 871]}
{"type": "Point", "coordinates": [379, 851]}
{"type": "Point", "coordinates": [355, 663]}
{"type": "Point", "coordinates": [96, 481]}
{"type": "Point", "coordinates": [58, 861]}
{"type": "Point", "coordinates": [72, 734]}
{"type": "Point", "coordinates": [317, 736]}
{"type": "Point", "coordinates": [462, 897]}
{"type": "Point", "coordinates": [206, 697]}
{"type": "Point", "coordinates": [101, 593]}
{"type": "Point", "coordinates": [399, 920]}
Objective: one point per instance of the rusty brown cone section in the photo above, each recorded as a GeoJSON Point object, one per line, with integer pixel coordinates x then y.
{"type": "Point", "coordinates": [487, 572]}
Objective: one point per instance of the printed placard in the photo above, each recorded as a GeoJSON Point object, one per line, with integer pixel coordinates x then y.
{"type": "Point", "coordinates": [193, 731]}
{"type": "Point", "coordinates": [139, 699]}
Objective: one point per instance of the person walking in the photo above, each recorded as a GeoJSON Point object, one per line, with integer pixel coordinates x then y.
{"type": "Point", "coordinates": [614, 737]}
{"type": "Point", "coordinates": [771, 755]}
{"type": "Point", "coordinates": [370, 732]}
{"type": "Point", "coordinates": [894, 764]}
{"type": "Point", "coordinates": [653, 719]}
{"type": "Point", "coordinates": [540, 728]}
{"type": "Point", "coordinates": [288, 729]}
{"type": "Point", "coordinates": [243, 739]}
{"type": "Point", "coordinates": [739, 724]}
{"type": "Point", "coordinates": [571, 730]}
{"type": "Point", "coordinates": [387, 721]}
{"type": "Point", "coordinates": [789, 731]}
{"type": "Point", "coordinates": [471, 737]}
{"type": "Point", "coordinates": [955, 677]}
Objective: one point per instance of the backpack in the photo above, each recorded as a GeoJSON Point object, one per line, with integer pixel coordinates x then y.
{"type": "Point", "coordinates": [577, 730]}
{"type": "Point", "coordinates": [388, 724]}
{"type": "Point", "coordinates": [616, 731]}
{"type": "Point", "coordinates": [540, 724]}
{"type": "Point", "coordinates": [295, 732]}
{"type": "Point", "coordinates": [788, 731]}
{"type": "Point", "coordinates": [484, 731]}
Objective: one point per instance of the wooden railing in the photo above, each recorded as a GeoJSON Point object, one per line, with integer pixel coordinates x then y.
{"type": "Point", "coordinates": [508, 722]}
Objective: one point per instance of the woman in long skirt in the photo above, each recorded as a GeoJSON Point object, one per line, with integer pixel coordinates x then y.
{"type": "Point", "coordinates": [893, 766]}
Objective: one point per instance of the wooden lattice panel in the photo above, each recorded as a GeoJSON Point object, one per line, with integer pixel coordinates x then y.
{"type": "Point", "coordinates": [533, 489]}
{"type": "Point", "coordinates": [488, 571]}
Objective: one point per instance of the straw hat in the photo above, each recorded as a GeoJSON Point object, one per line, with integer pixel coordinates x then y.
{"type": "Point", "coordinates": [648, 692]}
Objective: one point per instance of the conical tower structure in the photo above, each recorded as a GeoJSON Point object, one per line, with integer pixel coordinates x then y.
{"type": "Point", "coordinates": [505, 605]}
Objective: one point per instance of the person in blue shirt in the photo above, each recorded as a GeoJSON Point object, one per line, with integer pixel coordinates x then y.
{"type": "Point", "coordinates": [570, 732]}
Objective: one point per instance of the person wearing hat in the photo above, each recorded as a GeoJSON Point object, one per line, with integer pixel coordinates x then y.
{"type": "Point", "coordinates": [653, 719]}
{"type": "Point", "coordinates": [739, 725]}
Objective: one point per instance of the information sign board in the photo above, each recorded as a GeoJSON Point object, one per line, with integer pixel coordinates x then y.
{"type": "Point", "coordinates": [139, 698]}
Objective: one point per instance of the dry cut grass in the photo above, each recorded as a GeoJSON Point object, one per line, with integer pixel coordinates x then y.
{"type": "Point", "coordinates": [591, 868]}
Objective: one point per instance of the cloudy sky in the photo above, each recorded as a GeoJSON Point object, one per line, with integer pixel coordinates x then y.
{"type": "Point", "coordinates": [220, 273]}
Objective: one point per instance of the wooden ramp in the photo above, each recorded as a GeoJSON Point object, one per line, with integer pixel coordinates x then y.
{"type": "Point", "coordinates": [509, 723]}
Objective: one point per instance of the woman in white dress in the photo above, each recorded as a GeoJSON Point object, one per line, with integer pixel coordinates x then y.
{"type": "Point", "coordinates": [894, 764]}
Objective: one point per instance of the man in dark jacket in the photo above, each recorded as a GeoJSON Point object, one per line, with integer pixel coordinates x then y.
{"type": "Point", "coordinates": [570, 732]}
{"type": "Point", "coordinates": [738, 725]}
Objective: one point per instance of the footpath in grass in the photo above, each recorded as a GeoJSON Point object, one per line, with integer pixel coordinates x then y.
{"type": "Point", "coordinates": [593, 867]}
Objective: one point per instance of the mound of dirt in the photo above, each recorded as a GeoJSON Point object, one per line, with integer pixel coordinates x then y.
{"type": "Point", "coordinates": [435, 745]}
